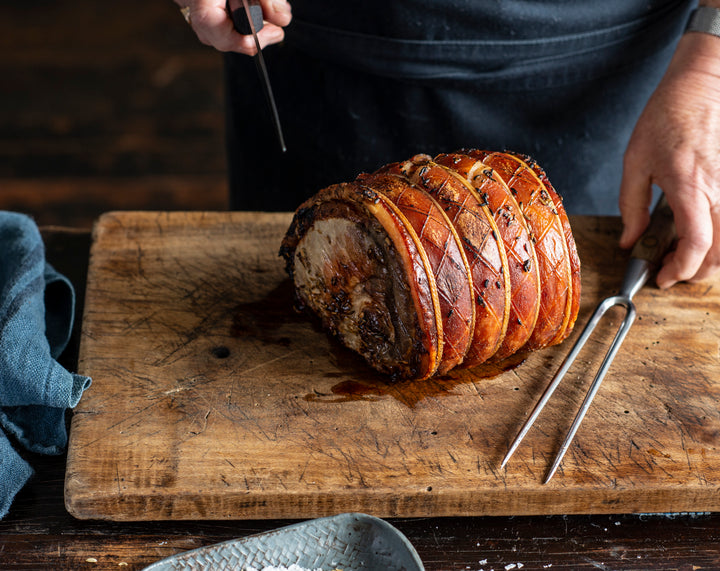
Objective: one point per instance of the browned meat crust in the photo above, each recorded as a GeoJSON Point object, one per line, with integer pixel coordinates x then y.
{"type": "Point", "coordinates": [548, 238]}
{"type": "Point", "coordinates": [483, 249]}
{"type": "Point", "coordinates": [427, 265]}
{"type": "Point", "coordinates": [359, 266]}
{"type": "Point", "coordinates": [522, 261]}
{"type": "Point", "coordinates": [447, 260]}
{"type": "Point", "coordinates": [569, 240]}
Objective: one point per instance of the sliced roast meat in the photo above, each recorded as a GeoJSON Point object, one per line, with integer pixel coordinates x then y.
{"type": "Point", "coordinates": [522, 260]}
{"type": "Point", "coordinates": [569, 240]}
{"type": "Point", "coordinates": [483, 248]}
{"type": "Point", "coordinates": [447, 260]}
{"type": "Point", "coordinates": [429, 265]}
{"type": "Point", "coordinates": [359, 266]}
{"type": "Point", "coordinates": [548, 238]}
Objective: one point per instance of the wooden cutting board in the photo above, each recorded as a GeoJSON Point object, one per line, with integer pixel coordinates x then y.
{"type": "Point", "coordinates": [212, 399]}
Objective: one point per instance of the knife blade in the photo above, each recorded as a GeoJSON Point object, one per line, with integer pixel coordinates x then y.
{"type": "Point", "coordinates": [247, 18]}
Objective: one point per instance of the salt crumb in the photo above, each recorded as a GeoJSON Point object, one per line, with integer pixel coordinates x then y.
{"type": "Point", "coordinates": [293, 567]}
{"type": "Point", "coordinates": [510, 566]}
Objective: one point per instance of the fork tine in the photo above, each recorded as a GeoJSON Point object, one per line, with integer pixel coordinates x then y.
{"type": "Point", "coordinates": [645, 256]}
{"type": "Point", "coordinates": [564, 367]}
{"type": "Point", "coordinates": [595, 386]}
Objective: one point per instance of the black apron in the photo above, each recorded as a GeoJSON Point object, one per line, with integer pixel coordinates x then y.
{"type": "Point", "coordinates": [361, 83]}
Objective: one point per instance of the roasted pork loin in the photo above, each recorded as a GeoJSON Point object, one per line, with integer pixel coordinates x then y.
{"type": "Point", "coordinates": [432, 264]}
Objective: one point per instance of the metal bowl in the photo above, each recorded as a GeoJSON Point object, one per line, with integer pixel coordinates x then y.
{"type": "Point", "coordinates": [346, 542]}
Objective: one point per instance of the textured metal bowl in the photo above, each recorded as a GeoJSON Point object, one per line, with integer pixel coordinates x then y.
{"type": "Point", "coordinates": [348, 542]}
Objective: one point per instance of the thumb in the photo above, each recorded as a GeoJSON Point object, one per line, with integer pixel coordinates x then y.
{"type": "Point", "coordinates": [635, 201]}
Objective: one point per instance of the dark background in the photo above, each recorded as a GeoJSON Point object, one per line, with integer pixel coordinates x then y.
{"type": "Point", "coordinates": [116, 105]}
{"type": "Point", "coordinates": [107, 106]}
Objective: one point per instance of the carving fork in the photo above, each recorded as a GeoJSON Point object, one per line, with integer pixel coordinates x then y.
{"type": "Point", "coordinates": [646, 256]}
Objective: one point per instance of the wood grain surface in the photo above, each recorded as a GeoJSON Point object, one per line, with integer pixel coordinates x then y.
{"type": "Point", "coordinates": [212, 399]}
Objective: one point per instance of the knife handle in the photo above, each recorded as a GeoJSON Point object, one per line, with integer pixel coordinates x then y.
{"type": "Point", "coordinates": [237, 13]}
{"type": "Point", "coordinates": [659, 236]}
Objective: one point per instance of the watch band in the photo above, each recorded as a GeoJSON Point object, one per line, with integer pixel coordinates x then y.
{"type": "Point", "coordinates": [705, 19]}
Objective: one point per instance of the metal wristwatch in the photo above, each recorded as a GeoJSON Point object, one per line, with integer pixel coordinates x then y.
{"type": "Point", "coordinates": [705, 19]}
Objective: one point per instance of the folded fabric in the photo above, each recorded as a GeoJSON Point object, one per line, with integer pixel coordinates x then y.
{"type": "Point", "coordinates": [37, 307]}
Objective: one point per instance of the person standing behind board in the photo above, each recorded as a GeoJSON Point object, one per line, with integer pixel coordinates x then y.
{"type": "Point", "coordinates": [606, 95]}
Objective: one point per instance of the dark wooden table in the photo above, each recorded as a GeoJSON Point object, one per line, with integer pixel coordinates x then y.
{"type": "Point", "coordinates": [39, 534]}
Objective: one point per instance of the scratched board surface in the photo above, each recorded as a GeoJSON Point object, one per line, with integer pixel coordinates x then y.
{"type": "Point", "coordinates": [212, 398]}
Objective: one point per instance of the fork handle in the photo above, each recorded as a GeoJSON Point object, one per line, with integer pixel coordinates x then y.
{"type": "Point", "coordinates": [659, 235]}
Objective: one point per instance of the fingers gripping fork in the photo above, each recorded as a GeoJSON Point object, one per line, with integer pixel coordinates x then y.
{"type": "Point", "coordinates": [646, 257]}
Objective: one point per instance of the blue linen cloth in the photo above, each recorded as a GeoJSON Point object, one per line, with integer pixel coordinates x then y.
{"type": "Point", "coordinates": [37, 307]}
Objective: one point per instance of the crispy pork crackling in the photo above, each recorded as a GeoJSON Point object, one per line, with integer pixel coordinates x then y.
{"type": "Point", "coordinates": [437, 263]}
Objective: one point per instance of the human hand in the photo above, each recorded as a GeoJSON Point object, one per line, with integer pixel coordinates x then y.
{"type": "Point", "coordinates": [214, 27]}
{"type": "Point", "coordinates": [676, 145]}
